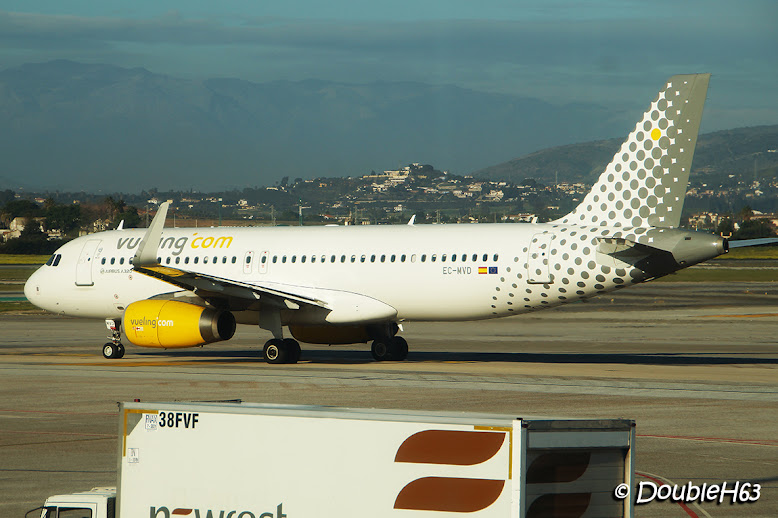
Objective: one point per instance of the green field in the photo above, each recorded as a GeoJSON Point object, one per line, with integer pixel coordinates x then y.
{"type": "Point", "coordinates": [23, 259]}
{"type": "Point", "coordinates": [17, 306]}
{"type": "Point", "coordinates": [744, 274]}
{"type": "Point", "coordinates": [754, 252]}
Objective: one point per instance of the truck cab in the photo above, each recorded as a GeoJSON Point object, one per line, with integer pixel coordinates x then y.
{"type": "Point", "coordinates": [99, 502]}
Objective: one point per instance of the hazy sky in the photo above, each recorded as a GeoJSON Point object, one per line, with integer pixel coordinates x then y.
{"type": "Point", "coordinates": [558, 50]}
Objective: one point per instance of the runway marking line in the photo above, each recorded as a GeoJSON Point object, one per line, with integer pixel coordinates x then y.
{"type": "Point", "coordinates": [749, 442]}
{"type": "Point", "coordinates": [755, 315]}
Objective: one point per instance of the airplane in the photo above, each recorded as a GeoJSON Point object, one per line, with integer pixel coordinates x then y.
{"type": "Point", "coordinates": [184, 287]}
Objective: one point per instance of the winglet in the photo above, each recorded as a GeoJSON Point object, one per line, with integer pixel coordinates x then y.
{"type": "Point", "coordinates": [121, 225]}
{"type": "Point", "coordinates": [147, 250]}
{"type": "Point", "coordinates": [412, 220]}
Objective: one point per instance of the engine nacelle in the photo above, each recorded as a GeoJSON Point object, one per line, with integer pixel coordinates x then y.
{"type": "Point", "coordinates": [170, 324]}
{"type": "Point", "coordinates": [331, 334]}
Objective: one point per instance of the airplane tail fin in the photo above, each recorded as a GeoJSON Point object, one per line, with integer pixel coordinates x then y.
{"type": "Point", "coordinates": [645, 183]}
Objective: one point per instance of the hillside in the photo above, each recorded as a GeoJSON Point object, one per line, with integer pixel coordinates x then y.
{"type": "Point", "coordinates": [738, 151]}
{"type": "Point", "coordinates": [70, 126]}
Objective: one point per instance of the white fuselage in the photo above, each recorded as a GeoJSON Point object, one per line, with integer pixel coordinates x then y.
{"type": "Point", "coordinates": [425, 272]}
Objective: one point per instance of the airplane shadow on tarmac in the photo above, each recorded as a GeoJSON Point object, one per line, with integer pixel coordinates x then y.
{"type": "Point", "coordinates": [357, 356]}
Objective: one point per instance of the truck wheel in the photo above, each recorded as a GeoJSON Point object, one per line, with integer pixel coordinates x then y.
{"type": "Point", "coordinates": [275, 351]}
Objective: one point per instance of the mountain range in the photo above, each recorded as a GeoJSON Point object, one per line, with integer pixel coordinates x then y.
{"type": "Point", "coordinates": [73, 126]}
{"type": "Point", "coordinates": [743, 152]}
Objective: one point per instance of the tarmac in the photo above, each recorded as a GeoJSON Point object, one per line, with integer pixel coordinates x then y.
{"type": "Point", "coordinates": [696, 365]}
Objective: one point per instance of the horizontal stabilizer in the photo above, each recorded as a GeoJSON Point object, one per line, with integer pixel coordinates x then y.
{"type": "Point", "coordinates": [742, 243]}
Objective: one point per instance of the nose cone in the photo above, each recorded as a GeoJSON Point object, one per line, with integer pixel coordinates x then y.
{"type": "Point", "coordinates": [32, 288]}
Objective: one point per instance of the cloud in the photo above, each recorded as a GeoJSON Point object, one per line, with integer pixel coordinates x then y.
{"type": "Point", "coordinates": [564, 53]}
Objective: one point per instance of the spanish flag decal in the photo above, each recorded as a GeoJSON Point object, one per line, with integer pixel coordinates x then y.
{"type": "Point", "coordinates": [482, 270]}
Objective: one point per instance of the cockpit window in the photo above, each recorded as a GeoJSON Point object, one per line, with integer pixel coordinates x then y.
{"type": "Point", "coordinates": [57, 257]}
{"type": "Point", "coordinates": [51, 260]}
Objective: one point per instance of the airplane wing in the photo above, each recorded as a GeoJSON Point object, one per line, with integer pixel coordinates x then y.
{"type": "Point", "coordinates": [329, 306]}
{"type": "Point", "coordinates": [210, 286]}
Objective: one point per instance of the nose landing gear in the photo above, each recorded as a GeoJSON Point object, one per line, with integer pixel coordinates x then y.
{"type": "Point", "coordinates": [114, 348]}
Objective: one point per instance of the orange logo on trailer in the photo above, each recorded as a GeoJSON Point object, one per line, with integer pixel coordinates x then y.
{"type": "Point", "coordinates": [453, 448]}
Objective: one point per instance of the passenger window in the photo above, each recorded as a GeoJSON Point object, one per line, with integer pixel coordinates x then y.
{"type": "Point", "coordinates": [248, 259]}
{"type": "Point", "coordinates": [113, 260]}
{"type": "Point", "coordinates": [121, 260]}
{"type": "Point", "coordinates": [332, 258]}
{"type": "Point", "coordinates": [372, 258]}
{"type": "Point", "coordinates": [159, 260]}
{"type": "Point", "coordinates": [234, 259]}
{"type": "Point", "coordinates": [324, 258]}
{"type": "Point", "coordinates": [475, 257]}
{"type": "Point", "coordinates": [433, 258]}
{"type": "Point", "coordinates": [275, 259]}
{"type": "Point", "coordinates": [224, 259]}
{"type": "Point", "coordinates": [130, 260]}
{"type": "Point", "coordinates": [196, 260]}
{"type": "Point", "coordinates": [283, 259]}
{"type": "Point", "coordinates": [215, 259]}
{"type": "Point", "coordinates": [413, 258]}
{"type": "Point", "coordinates": [486, 257]}
{"type": "Point", "coordinates": [453, 258]}
{"type": "Point", "coordinates": [362, 259]}
{"type": "Point", "coordinates": [496, 257]}
{"type": "Point", "coordinates": [264, 259]}
{"type": "Point", "coordinates": [353, 258]}
{"type": "Point", "coordinates": [342, 258]}
{"type": "Point", "coordinates": [167, 260]}
{"type": "Point", "coordinates": [102, 261]}
{"type": "Point", "coordinates": [294, 258]}
{"type": "Point", "coordinates": [424, 258]}
{"type": "Point", "coordinates": [302, 259]}
{"type": "Point", "coordinates": [464, 257]}
{"type": "Point", "coordinates": [393, 256]}
{"type": "Point", "coordinates": [402, 258]}
{"type": "Point", "coordinates": [443, 258]}
{"type": "Point", "coordinates": [313, 258]}
{"type": "Point", "coordinates": [205, 260]}
{"type": "Point", "coordinates": [383, 258]}
{"type": "Point", "coordinates": [186, 260]}
{"type": "Point", "coordinates": [178, 260]}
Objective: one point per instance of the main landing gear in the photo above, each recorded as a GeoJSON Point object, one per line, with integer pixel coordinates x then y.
{"type": "Point", "coordinates": [389, 348]}
{"type": "Point", "coordinates": [279, 350]}
{"type": "Point", "coordinates": [114, 348]}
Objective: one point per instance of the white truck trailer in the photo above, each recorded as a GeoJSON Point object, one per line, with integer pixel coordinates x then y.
{"type": "Point", "coordinates": [242, 460]}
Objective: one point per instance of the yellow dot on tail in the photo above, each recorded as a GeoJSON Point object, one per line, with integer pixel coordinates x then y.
{"type": "Point", "coordinates": [656, 133]}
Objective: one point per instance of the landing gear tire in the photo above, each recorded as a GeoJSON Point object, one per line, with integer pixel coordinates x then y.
{"type": "Point", "coordinates": [293, 350]}
{"type": "Point", "coordinates": [400, 346]}
{"type": "Point", "coordinates": [112, 350]}
{"type": "Point", "coordinates": [382, 350]}
{"type": "Point", "coordinates": [276, 351]}
{"type": "Point", "coordinates": [386, 349]}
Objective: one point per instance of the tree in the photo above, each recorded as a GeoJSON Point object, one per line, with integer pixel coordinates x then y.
{"type": "Point", "coordinates": [755, 228]}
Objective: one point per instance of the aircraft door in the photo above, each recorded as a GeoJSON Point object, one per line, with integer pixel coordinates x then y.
{"type": "Point", "coordinates": [84, 265]}
{"type": "Point", "coordinates": [264, 257]}
{"type": "Point", "coordinates": [539, 260]}
{"type": "Point", "coordinates": [248, 262]}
